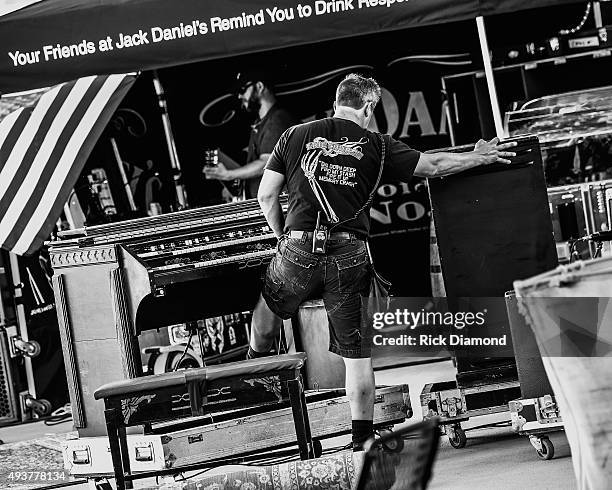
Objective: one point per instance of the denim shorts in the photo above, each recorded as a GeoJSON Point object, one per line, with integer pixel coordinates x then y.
{"type": "Point", "coordinates": [340, 278]}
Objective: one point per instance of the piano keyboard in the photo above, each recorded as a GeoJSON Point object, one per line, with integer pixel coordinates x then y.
{"type": "Point", "coordinates": [246, 256]}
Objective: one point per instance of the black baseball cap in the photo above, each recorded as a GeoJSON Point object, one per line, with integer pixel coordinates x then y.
{"type": "Point", "coordinates": [248, 77]}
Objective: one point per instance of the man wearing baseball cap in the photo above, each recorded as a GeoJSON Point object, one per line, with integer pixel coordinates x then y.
{"type": "Point", "coordinates": [256, 94]}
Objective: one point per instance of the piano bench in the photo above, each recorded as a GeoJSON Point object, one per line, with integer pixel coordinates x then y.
{"type": "Point", "coordinates": [195, 392]}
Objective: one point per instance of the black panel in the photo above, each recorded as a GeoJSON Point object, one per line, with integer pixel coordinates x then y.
{"type": "Point", "coordinates": [493, 226]}
{"type": "Point", "coordinates": [486, 399]}
{"type": "Point", "coordinates": [532, 376]}
{"type": "Point", "coordinates": [204, 298]}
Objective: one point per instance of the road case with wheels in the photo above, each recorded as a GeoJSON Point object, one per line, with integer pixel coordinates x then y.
{"type": "Point", "coordinates": [537, 417]}
{"type": "Point", "coordinates": [453, 405]}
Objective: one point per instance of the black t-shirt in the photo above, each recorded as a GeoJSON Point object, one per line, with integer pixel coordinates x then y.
{"type": "Point", "coordinates": [264, 135]}
{"type": "Point", "coordinates": [331, 165]}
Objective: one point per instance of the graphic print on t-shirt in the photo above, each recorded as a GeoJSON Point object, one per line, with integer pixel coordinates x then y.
{"type": "Point", "coordinates": [332, 173]}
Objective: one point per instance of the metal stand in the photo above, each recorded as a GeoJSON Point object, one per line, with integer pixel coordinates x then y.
{"type": "Point", "coordinates": [486, 59]}
{"type": "Point", "coordinates": [447, 114]}
{"type": "Point", "coordinates": [124, 180]}
{"type": "Point", "coordinates": [181, 195]}
{"type": "Point", "coordinates": [21, 320]}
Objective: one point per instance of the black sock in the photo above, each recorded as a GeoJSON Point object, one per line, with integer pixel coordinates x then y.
{"type": "Point", "coordinates": [362, 431]}
{"type": "Point", "coordinates": [253, 354]}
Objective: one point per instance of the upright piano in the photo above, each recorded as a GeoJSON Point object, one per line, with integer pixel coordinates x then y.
{"type": "Point", "coordinates": [114, 281]}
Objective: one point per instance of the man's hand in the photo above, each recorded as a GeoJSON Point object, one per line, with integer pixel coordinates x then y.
{"type": "Point", "coordinates": [218, 172]}
{"type": "Point", "coordinates": [440, 164]}
{"type": "Point", "coordinates": [493, 152]}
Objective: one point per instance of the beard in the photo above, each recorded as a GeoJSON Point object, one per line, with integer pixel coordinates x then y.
{"type": "Point", "coordinates": [253, 103]}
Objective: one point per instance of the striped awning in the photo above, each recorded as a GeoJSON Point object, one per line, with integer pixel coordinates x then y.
{"type": "Point", "coordinates": [43, 146]}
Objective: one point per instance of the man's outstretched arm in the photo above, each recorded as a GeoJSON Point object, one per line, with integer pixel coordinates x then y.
{"type": "Point", "coordinates": [445, 163]}
{"type": "Point", "coordinates": [269, 189]}
{"type": "Point", "coordinates": [229, 170]}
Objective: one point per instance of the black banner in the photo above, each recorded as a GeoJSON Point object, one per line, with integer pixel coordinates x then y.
{"type": "Point", "coordinates": [59, 40]}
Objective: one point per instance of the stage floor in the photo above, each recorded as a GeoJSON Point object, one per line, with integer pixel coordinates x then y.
{"type": "Point", "coordinates": [493, 457]}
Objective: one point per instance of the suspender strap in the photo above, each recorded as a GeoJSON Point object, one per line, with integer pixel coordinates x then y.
{"type": "Point", "coordinates": [371, 196]}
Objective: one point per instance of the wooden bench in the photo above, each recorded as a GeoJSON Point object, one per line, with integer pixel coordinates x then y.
{"type": "Point", "coordinates": [196, 392]}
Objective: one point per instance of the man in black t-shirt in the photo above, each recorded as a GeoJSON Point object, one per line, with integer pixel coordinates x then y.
{"type": "Point", "coordinates": [330, 167]}
{"type": "Point", "coordinates": [256, 95]}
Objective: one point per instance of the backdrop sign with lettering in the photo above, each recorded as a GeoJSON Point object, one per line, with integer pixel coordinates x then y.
{"type": "Point", "coordinates": [59, 40]}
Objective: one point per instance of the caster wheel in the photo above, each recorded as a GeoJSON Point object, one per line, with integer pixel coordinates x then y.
{"type": "Point", "coordinates": [33, 349]}
{"type": "Point", "coordinates": [317, 448]}
{"type": "Point", "coordinates": [45, 409]}
{"type": "Point", "coordinates": [40, 407]}
{"type": "Point", "coordinates": [548, 450]}
{"type": "Point", "coordinates": [48, 407]}
{"type": "Point", "coordinates": [457, 437]}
